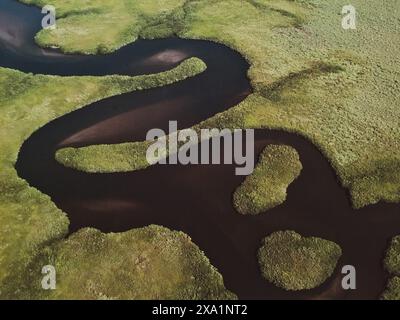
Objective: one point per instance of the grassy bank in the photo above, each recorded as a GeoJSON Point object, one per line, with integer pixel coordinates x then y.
{"type": "Point", "coordinates": [392, 265]}
{"type": "Point", "coordinates": [146, 263]}
{"type": "Point", "coordinates": [29, 221]}
{"type": "Point", "coordinates": [293, 262]}
{"type": "Point", "coordinates": [97, 27]}
{"type": "Point", "coordinates": [339, 88]}
{"type": "Point", "coordinates": [392, 258]}
{"type": "Point", "coordinates": [277, 167]}
{"type": "Point", "coordinates": [392, 291]}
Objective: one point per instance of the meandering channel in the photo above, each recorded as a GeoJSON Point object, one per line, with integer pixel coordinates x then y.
{"type": "Point", "coordinates": [194, 199]}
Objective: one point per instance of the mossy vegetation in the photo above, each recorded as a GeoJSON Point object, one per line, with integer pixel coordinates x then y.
{"type": "Point", "coordinates": [336, 87]}
{"type": "Point", "coordinates": [392, 291]}
{"type": "Point", "coordinates": [28, 219]}
{"type": "Point", "coordinates": [392, 258]}
{"type": "Point", "coordinates": [392, 265]}
{"type": "Point", "coordinates": [278, 166]}
{"type": "Point", "coordinates": [98, 27]}
{"type": "Point", "coordinates": [293, 262]}
{"type": "Point", "coordinates": [125, 157]}
{"type": "Point", "coordinates": [146, 263]}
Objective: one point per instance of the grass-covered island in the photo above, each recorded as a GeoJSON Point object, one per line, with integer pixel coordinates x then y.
{"type": "Point", "coordinates": [278, 166]}
{"type": "Point", "coordinates": [293, 262]}
{"type": "Point", "coordinates": [392, 265]}
{"type": "Point", "coordinates": [146, 263]}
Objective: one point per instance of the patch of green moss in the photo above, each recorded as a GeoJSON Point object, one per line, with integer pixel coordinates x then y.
{"type": "Point", "coordinates": [125, 157]}
{"type": "Point", "coordinates": [266, 187]}
{"type": "Point", "coordinates": [98, 27]}
{"type": "Point", "coordinates": [293, 262]}
{"type": "Point", "coordinates": [392, 259]}
{"type": "Point", "coordinates": [392, 291]}
{"type": "Point", "coordinates": [392, 265]}
{"type": "Point", "coordinates": [146, 263]}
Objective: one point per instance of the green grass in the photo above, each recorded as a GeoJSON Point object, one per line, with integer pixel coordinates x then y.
{"type": "Point", "coordinates": [94, 27]}
{"type": "Point", "coordinates": [125, 157]}
{"type": "Point", "coordinates": [392, 258]}
{"type": "Point", "coordinates": [28, 219]}
{"type": "Point", "coordinates": [146, 263]}
{"type": "Point", "coordinates": [392, 265]}
{"type": "Point", "coordinates": [392, 291]}
{"type": "Point", "coordinates": [338, 88]}
{"type": "Point", "coordinates": [266, 187]}
{"type": "Point", "coordinates": [293, 262]}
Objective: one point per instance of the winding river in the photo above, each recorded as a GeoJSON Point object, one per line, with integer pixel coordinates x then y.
{"type": "Point", "coordinates": [196, 199]}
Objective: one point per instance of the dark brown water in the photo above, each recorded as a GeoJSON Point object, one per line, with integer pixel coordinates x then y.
{"type": "Point", "coordinates": [196, 199]}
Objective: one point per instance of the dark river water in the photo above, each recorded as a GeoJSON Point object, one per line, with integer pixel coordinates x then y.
{"type": "Point", "coordinates": [196, 199]}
